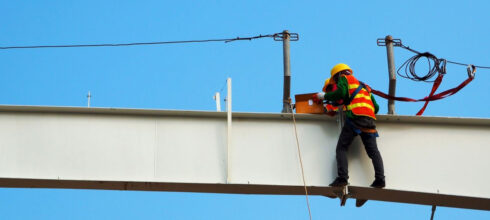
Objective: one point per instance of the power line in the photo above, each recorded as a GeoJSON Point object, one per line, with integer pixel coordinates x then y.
{"type": "Point", "coordinates": [226, 40]}
{"type": "Point", "coordinates": [449, 61]}
{"type": "Point", "coordinates": [463, 64]}
{"type": "Point", "coordinates": [436, 65]}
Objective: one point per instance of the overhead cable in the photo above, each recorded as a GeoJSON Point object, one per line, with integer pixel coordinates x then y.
{"type": "Point", "coordinates": [436, 65]}
{"type": "Point", "coordinates": [463, 64]}
{"type": "Point", "coordinates": [226, 40]}
{"type": "Point", "coordinates": [434, 58]}
{"type": "Point", "coordinates": [453, 62]}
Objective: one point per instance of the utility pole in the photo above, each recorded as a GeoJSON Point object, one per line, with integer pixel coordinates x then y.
{"type": "Point", "coordinates": [286, 37]}
{"type": "Point", "coordinates": [286, 107]}
{"type": "Point", "coordinates": [391, 71]}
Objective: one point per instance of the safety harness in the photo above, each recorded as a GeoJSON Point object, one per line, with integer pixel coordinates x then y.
{"type": "Point", "coordinates": [361, 86]}
{"type": "Point", "coordinates": [356, 129]}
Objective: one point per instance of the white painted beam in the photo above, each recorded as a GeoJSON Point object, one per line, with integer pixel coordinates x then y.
{"type": "Point", "coordinates": [428, 160]}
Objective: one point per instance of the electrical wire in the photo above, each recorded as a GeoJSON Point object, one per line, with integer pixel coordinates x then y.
{"type": "Point", "coordinates": [463, 64]}
{"type": "Point", "coordinates": [226, 40]}
{"type": "Point", "coordinates": [223, 87]}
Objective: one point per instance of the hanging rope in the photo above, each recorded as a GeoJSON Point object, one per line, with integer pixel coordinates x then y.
{"type": "Point", "coordinates": [300, 159]}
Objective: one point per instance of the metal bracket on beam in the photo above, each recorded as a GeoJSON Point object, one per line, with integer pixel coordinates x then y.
{"type": "Point", "coordinates": [342, 193]}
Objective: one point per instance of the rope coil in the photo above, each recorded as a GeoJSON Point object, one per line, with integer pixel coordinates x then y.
{"type": "Point", "coordinates": [436, 66]}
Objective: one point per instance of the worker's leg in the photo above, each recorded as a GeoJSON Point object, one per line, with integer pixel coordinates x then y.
{"type": "Point", "coordinates": [345, 139]}
{"type": "Point", "coordinates": [369, 142]}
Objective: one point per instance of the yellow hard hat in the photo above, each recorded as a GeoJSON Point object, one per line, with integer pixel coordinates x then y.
{"type": "Point", "coordinates": [326, 84]}
{"type": "Point", "coordinates": [327, 81]}
{"type": "Point", "coordinates": [339, 67]}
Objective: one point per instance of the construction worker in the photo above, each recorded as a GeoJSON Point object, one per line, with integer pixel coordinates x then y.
{"type": "Point", "coordinates": [360, 110]}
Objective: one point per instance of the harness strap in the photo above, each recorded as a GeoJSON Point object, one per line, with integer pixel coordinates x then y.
{"type": "Point", "coordinates": [359, 131]}
{"type": "Point", "coordinates": [361, 86]}
{"type": "Point", "coordinates": [436, 85]}
{"type": "Point", "coordinates": [435, 97]}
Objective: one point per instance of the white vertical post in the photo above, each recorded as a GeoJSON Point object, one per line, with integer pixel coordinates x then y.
{"type": "Point", "coordinates": [218, 101]}
{"type": "Point", "coordinates": [229, 134]}
{"type": "Point", "coordinates": [88, 99]}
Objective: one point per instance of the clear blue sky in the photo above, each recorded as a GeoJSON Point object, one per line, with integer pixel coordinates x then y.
{"type": "Point", "coordinates": [187, 76]}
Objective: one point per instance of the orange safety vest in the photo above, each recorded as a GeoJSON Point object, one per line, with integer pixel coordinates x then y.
{"type": "Point", "coordinates": [361, 104]}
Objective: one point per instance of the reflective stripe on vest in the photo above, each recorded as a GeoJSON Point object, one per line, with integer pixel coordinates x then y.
{"type": "Point", "coordinates": [331, 107]}
{"type": "Point", "coordinates": [361, 104]}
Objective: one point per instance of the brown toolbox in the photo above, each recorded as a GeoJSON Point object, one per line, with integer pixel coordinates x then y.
{"type": "Point", "coordinates": [305, 104]}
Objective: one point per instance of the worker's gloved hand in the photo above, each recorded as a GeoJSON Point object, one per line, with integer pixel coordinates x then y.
{"type": "Point", "coordinates": [319, 97]}
{"type": "Point", "coordinates": [315, 99]}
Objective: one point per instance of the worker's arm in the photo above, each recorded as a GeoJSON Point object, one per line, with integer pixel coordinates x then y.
{"type": "Point", "coordinates": [340, 93]}
{"type": "Point", "coordinates": [376, 106]}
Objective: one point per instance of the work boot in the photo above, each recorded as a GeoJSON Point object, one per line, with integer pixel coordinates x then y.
{"type": "Point", "coordinates": [378, 183]}
{"type": "Point", "coordinates": [338, 182]}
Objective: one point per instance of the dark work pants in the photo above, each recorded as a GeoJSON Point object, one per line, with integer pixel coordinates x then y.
{"type": "Point", "coordinates": [346, 136]}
